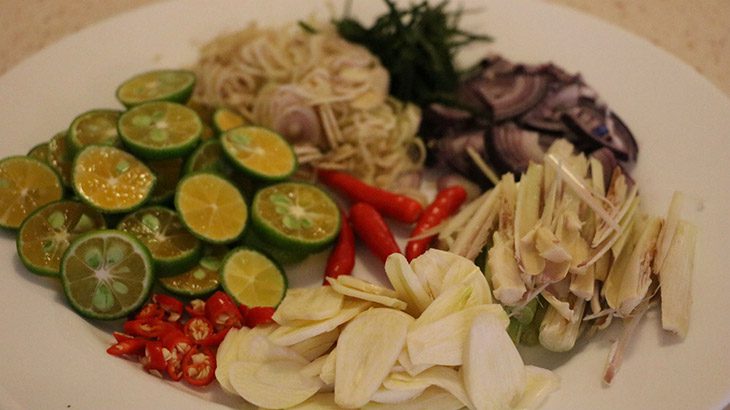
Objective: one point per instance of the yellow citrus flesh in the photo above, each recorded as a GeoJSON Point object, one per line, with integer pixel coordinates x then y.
{"type": "Point", "coordinates": [95, 127]}
{"type": "Point", "coordinates": [160, 126]}
{"type": "Point", "coordinates": [156, 85]}
{"type": "Point", "coordinates": [110, 179]}
{"type": "Point", "coordinates": [253, 279]}
{"type": "Point", "coordinates": [47, 233]}
{"type": "Point", "coordinates": [225, 119]}
{"type": "Point", "coordinates": [202, 278]}
{"type": "Point", "coordinates": [26, 184]}
{"type": "Point", "coordinates": [168, 174]}
{"type": "Point", "coordinates": [260, 152]}
{"type": "Point", "coordinates": [59, 157]}
{"type": "Point", "coordinates": [211, 207]}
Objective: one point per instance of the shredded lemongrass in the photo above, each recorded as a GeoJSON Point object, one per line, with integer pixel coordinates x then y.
{"type": "Point", "coordinates": [482, 165]}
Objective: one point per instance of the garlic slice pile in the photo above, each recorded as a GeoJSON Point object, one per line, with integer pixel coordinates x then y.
{"type": "Point", "coordinates": [437, 341]}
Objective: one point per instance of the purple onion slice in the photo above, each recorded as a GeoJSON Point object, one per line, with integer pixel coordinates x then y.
{"type": "Point", "coordinates": [511, 148]}
{"type": "Point", "coordinates": [511, 94]}
{"type": "Point", "coordinates": [597, 123]}
{"type": "Point", "coordinates": [608, 161]}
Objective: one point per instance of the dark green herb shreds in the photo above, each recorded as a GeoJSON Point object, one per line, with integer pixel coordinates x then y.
{"type": "Point", "coordinates": [417, 45]}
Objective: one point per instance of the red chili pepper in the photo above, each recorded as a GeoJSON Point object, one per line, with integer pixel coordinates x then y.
{"type": "Point", "coordinates": [243, 309]}
{"type": "Point", "coordinates": [120, 337]}
{"type": "Point", "coordinates": [198, 329]}
{"type": "Point", "coordinates": [399, 207]}
{"type": "Point", "coordinates": [150, 328]}
{"type": "Point", "coordinates": [222, 312]}
{"type": "Point", "coordinates": [154, 358]}
{"type": "Point", "coordinates": [259, 315]}
{"type": "Point", "coordinates": [341, 260]}
{"type": "Point", "coordinates": [215, 339]}
{"type": "Point", "coordinates": [372, 229]}
{"type": "Point", "coordinates": [150, 311]}
{"type": "Point", "coordinates": [131, 346]}
{"type": "Point", "coordinates": [196, 308]}
{"type": "Point", "coordinates": [177, 345]}
{"type": "Point", "coordinates": [447, 201]}
{"type": "Point", "coordinates": [198, 366]}
{"type": "Point", "coordinates": [169, 305]}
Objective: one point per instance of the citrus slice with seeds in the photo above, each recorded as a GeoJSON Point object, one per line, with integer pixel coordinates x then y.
{"type": "Point", "coordinates": [106, 274]}
{"type": "Point", "coordinates": [95, 127]}
{"type": "Point", "coordinates": [46, 234]}
{"type": "Point", "coordinates": [168, 173]}
{"type": "Point", "coordinates": [211, 207]}
{"type": "Point", "coordinates": [160, 129]}
{"type": "Point", "coordinates": [294, 215]}
{"type": "Point", "coordinates": [60, 157]}
{"type": "Point", "coordinates": [40, 152]}
{"type": "Point", "coordinates": [209, 157]}
{"type": "Point", "coordinates": [159, 85]}
{"type": "Point", "coordinates": [253, 279]}
{"type": "Point", "coordinates": [225, 119]}
{"type": "Point", "coordinates": [259, 152]}
{"type": "Point", "coordinates": [173, 248]}
{"type": "Point", "coordinates": [200, 280]}
{"type": "Point", "coordinates": [111, 180]}
{"type": "Point", "coordinates": [26, 184]}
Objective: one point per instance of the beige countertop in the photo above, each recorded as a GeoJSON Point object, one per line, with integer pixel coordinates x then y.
{"type": "Point", "coordinates": [697, 32]}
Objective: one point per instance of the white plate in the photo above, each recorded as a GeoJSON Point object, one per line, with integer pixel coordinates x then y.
{"type": "Point", "coordinates": [52, 358]}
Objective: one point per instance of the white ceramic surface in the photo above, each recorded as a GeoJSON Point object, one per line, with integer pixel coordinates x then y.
{"type": "Point", "coordinates": [52, 358]}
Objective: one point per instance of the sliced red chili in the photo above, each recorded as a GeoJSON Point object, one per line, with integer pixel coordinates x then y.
{"type": "Point", "coordinates": [341, 260]}
{"type": "Point", "coordinates": [176, 345]}
{"type": "Point", "coordinates": [259, 315]}
{"type": "Point", "coordinates": [150, 311]}
{"type": "Point", "coordinates": [169, 305]}
{"type": "Point", "coordinates": [131, 346]}
{"type": "Point", "coordinates": [198, 329]}
{"type": "Point", "coordinates": [198, 366]}
{"type": "Point", "coordinates": [216, 338]}
{"type": "Point", "coordinates": [120, 337]}
{"type": "Point", "coordinates": [196, 308]}
{"type": "Point", "coordinates": [222, 311]}
{"type": "Point", "coordinates": [154, 358]}
{"type": "Point", "coordinates": [447, 201]}
{"type": "Point", "coordinates": [151, 328]}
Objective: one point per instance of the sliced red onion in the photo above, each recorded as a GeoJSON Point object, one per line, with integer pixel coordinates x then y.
{"type": "Point", "coordinates": [511, 148]}
{"type": "Point", "coordinates": [608, 161]}
{"type": "Point", "coordinates": [511, 94]}
{"type": "Point", "coordinates": [599, 124]}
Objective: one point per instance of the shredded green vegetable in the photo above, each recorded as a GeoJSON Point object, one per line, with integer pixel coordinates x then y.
{"type": "Point", "coordinates": [417, 45]}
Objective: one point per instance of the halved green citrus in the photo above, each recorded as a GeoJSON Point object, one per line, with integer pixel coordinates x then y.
{"type": "Point", "coordinates": [259, 152]}
{"type": "Point", "coordinates": [94, 127]}
{"type": "Point", "coordinates": [160, 129]}
{"type": "Point", "coordinates": [211, 207]}
{"type": "Point", "coordinates": [46, 234]}
{"type": "Point", "coordinates": [284, 256]}
{"type": "Point", "coordinates": [158, 85]}
{"type": "Point", "coordinates": [252, 278]}
{"type": "Point", "coordinates": [168, 173]}
{"type": "Point", "coordinates": [60, 157]}
{"type": "Point", "coordinates": [111, 180]}
{"type": "Point", "coordinates": [40, 152]}
{"type": "Point", "coordinates": [201, 279]}
{"type": "Point", "coordinates": [106, 274]}
{"type": "Point", "coordinates": [225, 119]}
{"type": "Point", "coordinates": [173, 248]}
{"type": "Point", "coordinates": [26, 184]}
{"type": "Point", "coordinates": [209, 157]}
{"type": "Point", "coordinates": [295, 215]}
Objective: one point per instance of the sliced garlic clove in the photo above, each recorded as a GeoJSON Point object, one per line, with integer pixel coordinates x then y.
{"type": "Point", "coordinates": [274, 384]}
{"type": "Point", "coordinates": [380, 299]}
{"type": "Point", "coordinates": [302, 330]}
{"type": "Point", "coordinates": [317, 303]}
{"type": "Point", "coordinates": [316, 346]}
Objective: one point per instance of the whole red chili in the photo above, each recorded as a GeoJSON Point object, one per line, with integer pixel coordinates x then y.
{"type": "Point", "coordinates": [198, 366]}
{"type": "Point", "coordinates": [341, 259]}
{"type": "Point", "coordinates": [447, 201]}
{"type": "Point", "coordinates": [372, 229]}
{"type": "Point", "coordinates": [399, 207]}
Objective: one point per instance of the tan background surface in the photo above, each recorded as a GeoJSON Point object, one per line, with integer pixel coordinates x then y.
{"type": "Point", "coordinates": [696, 31]}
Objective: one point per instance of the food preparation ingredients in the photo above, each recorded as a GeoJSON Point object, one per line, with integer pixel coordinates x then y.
{"type": "Point", "coordinates": [252, 279]}
{"type": "Point", "coordinates": [399, 207]}
{"type": "Point", "coordinates": [447, 202]}
{"type": "Point", "coordinates": [172, 247]}
{"type": "Point", "coordinates": [259, 152]}
{"type": "Point", "coordinates": [26, 184]}
{"type": "Point", "coordinates": [369, 226]}
{"type": "Point", "coordinates": [295, 215]}
{"type": "Point", "coordinates": [158, 85]}
{"type": "Point", "coordinates": [94, 127]}
{"type": "Point", "coordinates": [111, 180]}
{"type": "Point", "coordinates": [202, 278]}
{"type": "Point", "coordinates": [45, 234]}
{"type": "Point", "coordinates": [106, 274]}
{"type": "Point", "coordinates": [341, 259]}
{"type": "Point", "coordinates": [211, 207]}
{"type": "Point", "coordinates": [160, 130]}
